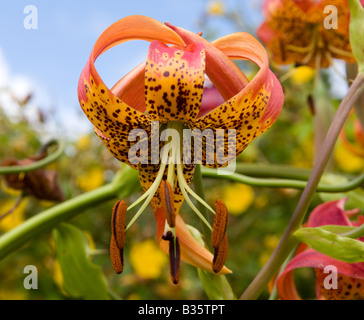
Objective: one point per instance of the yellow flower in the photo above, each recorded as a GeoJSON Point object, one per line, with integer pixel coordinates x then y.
{"type": "Point", "coordinates": [147, 259]}
{"type": "Point", "coordinates": [91, 179]}
{"type": "Point", "coordinates": [302, 74]}
{"type": "Point", "coordinates": [216, 8]}
{"type": "Point", "coordinates": [270, 242]}
{"type": "Point", "coordinates": [83, 142]}
{"type": "Point", "coordinates": [237, 197]}
{"type": "Point", "coordinates": [346, 160]}
{"type": "Point", "coordinates": [16, 217]}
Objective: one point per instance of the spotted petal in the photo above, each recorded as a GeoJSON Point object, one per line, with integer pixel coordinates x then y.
{"type": "Point", "coordinates": [174, 81]}
{"type": "Point", "coordinates": [256, 107]}
{"type": "Point", "coordinates": [112, 118]}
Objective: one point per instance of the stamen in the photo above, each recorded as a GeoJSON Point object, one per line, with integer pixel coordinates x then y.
{"type": "Point", "coordinates": [167, 202]}
{"type": "Point", "coordinates": [190, 191]}
{"type": "Point", "coordinates": [182, 184]}
{"type": "Point", "coordinates": [220, 224]}
{"type": "Point", "coordinates": [174, 256]}
{"type": "Point", "coordinates": [220, 254]}
{"type": "Point", "coordinates": [339, 51]}
{"type": "Point", "coordinates": [149, 193]}
{"type": "Point", "coordinates": [118, 223]}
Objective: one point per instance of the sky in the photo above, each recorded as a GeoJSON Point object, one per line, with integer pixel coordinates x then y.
{"type": "Point", "coordinates": [49, 59]}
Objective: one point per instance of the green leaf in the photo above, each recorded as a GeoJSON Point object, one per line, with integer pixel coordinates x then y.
{"type": "Point", "coordinates": [216, 286]}
{"type": "Point", "coordinates": [357, 32]}
{"type": "Point", "coordinates": [82, 279]}
{"type": "Point", "coordinates": [326, 242]}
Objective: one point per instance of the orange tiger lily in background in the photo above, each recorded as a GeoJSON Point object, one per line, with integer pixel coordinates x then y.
{"type": "Point", "coordinates": [168, 88]}
{"type": "Point", "coordinates": [307, 32]}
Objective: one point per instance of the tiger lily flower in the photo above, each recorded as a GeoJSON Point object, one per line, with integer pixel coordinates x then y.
{"type": "Point", "coordinates": [165, 92]}
{"type": "Point", "coordinates": [350, 276]}
{"type": "Point", "coordinates": [297, 31]}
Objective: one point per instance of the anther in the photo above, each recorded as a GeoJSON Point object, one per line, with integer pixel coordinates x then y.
{"type": "Point", "coordinates": [118, 223]}
{"type": "Point", "coordinates": [118, 236]}
{"type": "Point", "coordinates": [220, 224]}
{"type": "Point", "coordinates": [219, 239]}
{"type": "Point", "coordinates": [117, 256]}
{"type": "Point", "coordinates": [174, 256]}
{"type": "Point", "coordinates": [220, 254]}
{"type": "Point", "coordinates": [167, 201]}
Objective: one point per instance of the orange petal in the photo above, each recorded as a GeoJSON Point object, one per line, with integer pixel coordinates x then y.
{"type": "Point", "coordinates": [192, 252]}
{"type": "Point", "coordinates": [130, 88]}
{"type": "Point", "coordinates": [223, 72]}
{"type": "Point", "coordinates": [174, 81]}
{"type": "Point", "coordinates": [256, 107]}
{"type": "Point", "coordinates": [112, 117]}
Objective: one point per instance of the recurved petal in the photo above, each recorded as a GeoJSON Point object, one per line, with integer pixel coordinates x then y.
{"type": "Point", "coordinates": [110, 115]}
{"type": "Point", "coordinates": [312, 259]}
{"type": "Point", "coordinates": [329, 213]}
{"type": "Point", "coordinates": [256, 107]}
{"type": "Point", "coordinates": [130, 88]}
{"type": "Point", "coordinates": [223, 72]}
{"type": "Point", "coordinates": [174, 81]}
{"type": "Point", "coordinates": [192, 252]}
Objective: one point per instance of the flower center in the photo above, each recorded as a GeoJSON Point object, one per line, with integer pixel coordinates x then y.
{"type": "Point", "coordinates": [171, 167]}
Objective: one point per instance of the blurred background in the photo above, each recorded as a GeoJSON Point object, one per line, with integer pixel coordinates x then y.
{"type": "Point", "coordinates": [39, 71]}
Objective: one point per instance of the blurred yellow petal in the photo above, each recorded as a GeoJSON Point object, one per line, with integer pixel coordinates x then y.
{"type": "Point", "coordinates": [16, 217]}
{"type": "Point", "coordinates": [346, 160]}
{"type": "Point", "coordinates": [237, 197]}
{"type": "Point", "coordinates": [271, 241]}
{"type": "Point", "coordinates": [147, 259]}
{"type": "Point", "coordinates": [91, 179]}
{"type": "Point", "coordinates": [302, 74]}
{"type": "Point", "coordinates": [216, 8]}
{"type": "Point", "coordinates": [83, 142]}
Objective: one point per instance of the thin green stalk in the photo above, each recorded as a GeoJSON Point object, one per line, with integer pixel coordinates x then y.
{"type": "Point", "coordinates": [47, 219]}
{"type": "Point", "coordinates": [285, 183]}
{"type": "Point", "coordinates": [197, 182]}
{"type": "Point", "coordinates": [288, 241]}
{"type": "Point", "coordinates": [36, 165]}
{"type": "Point", "coordinates": [273, 171]}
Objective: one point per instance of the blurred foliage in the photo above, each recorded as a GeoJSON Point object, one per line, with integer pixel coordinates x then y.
{"type": "Point", "coordinates": [259, 215]}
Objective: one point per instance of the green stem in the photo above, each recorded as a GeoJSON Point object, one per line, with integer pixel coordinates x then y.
{"type": "Point", "coordinates": [288, 241]}
{"type": "Point", "coordinates": [284, 183]}
{"type": "Point", "coordinates": [273, 171]}
{"type": "Point", "coordinates": [47, 219]}
{"type": "Point", "coordinates": [36, 165]}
